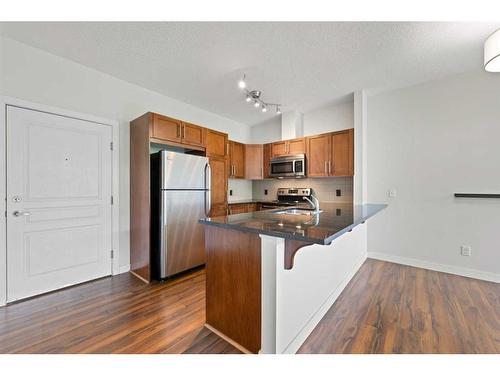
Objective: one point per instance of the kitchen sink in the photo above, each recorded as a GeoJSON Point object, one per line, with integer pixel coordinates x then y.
{"type": "Point", "coordinates": [297, 211]}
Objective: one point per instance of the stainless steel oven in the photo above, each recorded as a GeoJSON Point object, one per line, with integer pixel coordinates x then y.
{"type": "Point", "coordinates": [288, 166]}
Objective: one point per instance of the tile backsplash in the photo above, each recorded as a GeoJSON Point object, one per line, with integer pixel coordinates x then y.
{"type": "Point", "coordinates": [324, 188]}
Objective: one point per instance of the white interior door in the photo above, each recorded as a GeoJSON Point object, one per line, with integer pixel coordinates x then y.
{"type": "Point", "coordinates": [59, 174]}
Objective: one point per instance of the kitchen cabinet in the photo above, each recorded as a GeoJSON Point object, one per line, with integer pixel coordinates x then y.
{"type": "Point", "coordinates": [331, 154]}
{"type": "Point", "coordinates": [318, 155]}
{"type": "Point", "coordinates": [251, 207]}
{"type": "Point", "coordinates": [254, 162]}
{"type": "Point", "coordinates": [236, 160]}
{"type": "Point", "coordinates": [166, 128]}
{"type": "Point", "coordinates": [178, 132]}
{"type": "Point", "coordinates": [218, 186]}
{"type": "Point", "coordinates": [241, 208]}
{"type": "Point", "coordinates": [216, 144]}
{"type": "Point", "coordinates": [193, 135]}
{"type": "Point", "coordinates": [342, 157]}
{"type": "Point", "coordinates": [237, 208]}
{"type": "Point", "coordinates": [288, 147]}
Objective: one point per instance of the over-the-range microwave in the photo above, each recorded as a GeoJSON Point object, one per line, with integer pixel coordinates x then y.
{"type": "Point", "coordinates": [288, 166]}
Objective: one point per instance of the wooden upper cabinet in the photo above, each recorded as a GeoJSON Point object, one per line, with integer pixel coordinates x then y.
{"type": "Point", "coordinates": [296, 146]}
{"type": "Point", "coordinates": [236, 160]}
{"type": "Point", "coordinates": [342, 159]}
{"type": "Point", "coordinates": [331, 154]}
{"type": "Point", "coordinates": [266, 160]}
{"type": "Point", "coordinates": [279, 149]}
{"type": "Point", "coordinates": [166, 128]}
{"type": "Point", "coordinates": [289, 147]}
{"type": "Point", "coordinates": [193, 135]}
{"type": "Point", "coordinates": [254, 162]}
{"type": "Point", "coordinates": [216, 143]}
{"type": "Point", "coordinates": [170, 130]}
{"type": "Point", "coordinates": [318, 155]}
{"type": "Point", "coordinates": [218, 187]}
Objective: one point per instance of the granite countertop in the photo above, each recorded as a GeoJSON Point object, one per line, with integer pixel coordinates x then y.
{"type": "Point", "coordinates": [334, 220]}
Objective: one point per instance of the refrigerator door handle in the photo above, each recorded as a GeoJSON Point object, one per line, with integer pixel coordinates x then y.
{"type": "Point", "coordinates": [208, 181]}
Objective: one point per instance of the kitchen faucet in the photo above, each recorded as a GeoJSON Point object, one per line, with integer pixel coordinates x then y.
{"type": "Point", "coordinates": [314, 202]}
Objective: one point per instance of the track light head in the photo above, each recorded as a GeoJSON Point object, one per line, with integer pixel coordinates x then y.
{"type": "Point", "coordinates": [242, 83]}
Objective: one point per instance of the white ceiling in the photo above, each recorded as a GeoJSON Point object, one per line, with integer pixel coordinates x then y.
{"type": "Point", "coordinates": [301, 65]}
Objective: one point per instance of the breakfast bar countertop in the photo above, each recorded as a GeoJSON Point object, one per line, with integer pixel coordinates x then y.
{"type": "Point", "coordinates": [334, 220]}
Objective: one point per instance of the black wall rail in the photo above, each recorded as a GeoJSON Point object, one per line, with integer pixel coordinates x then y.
{"type": "Point", "coordinates": [476, 195]}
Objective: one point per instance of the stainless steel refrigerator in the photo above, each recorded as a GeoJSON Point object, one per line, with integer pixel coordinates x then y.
{"type": "Point", "coordinates": [180, 195]}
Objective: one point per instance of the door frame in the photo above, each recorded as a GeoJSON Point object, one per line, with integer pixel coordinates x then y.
{"type": "Point", "coordinates": [115, 178]}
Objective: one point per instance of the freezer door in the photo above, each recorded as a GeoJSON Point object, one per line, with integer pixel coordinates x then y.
{"type": "Point", "coordinates": [183, 171]}
{"type": "Point", "coordinates": [182, 237]}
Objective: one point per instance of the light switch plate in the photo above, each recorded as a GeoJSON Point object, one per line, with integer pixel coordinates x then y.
{"type": "Point", "coordinates": [392, 193]}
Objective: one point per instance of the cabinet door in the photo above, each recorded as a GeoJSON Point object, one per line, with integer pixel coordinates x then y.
{"type": "Point", "coordinates": [266, 160]}
{"type": "Point", "coordinates": [296, 146]}
{"type": "Point", "coordinates": [219, 210]}
{"type": "Point", "coordinates": [251, 207]}
{"type": "Point", "coordinates": [279, 149]}
{"type": "Point", "coordinates": [193, 134]}
{"type": "Point", "coordinates": [166, 128]}
{"type": "Point", "coordinates": [318, 155]}
{"type": "Point", "coordinates": [236, 159]}
{"type": "Point", "coordinates": [216, 143]}
{"type": "Point", "coordinates": [238, 208]}
{"type": "Point", "coordinates": [218, 185]}
{"type": "Point", "coordinates": [342, 159]}
{"type": "Point", "coordinates": [253, 162]}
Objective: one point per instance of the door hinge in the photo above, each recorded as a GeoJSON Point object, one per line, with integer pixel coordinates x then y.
{"type": "Point", "coordinates": [111, 146]}
{"type": "Point", "coordinates": [112, 254]}
{"type": "Point", "coordinates": [112, 200]}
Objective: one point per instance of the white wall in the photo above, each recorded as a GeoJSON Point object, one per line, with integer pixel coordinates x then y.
{"type": "Point", "coordinates": [325, 119]}
{"type": "Point", "coordinates": [32, 74]}
{"type": "Point", "coordinates": [329, 118]}
{"type": "Point", "coordinates": [427, 142]}
{"type": "Point", "coordinates": [267, 131]}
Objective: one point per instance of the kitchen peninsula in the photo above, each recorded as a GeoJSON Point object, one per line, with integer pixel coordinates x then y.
{"type": "Point", "coordinates": [272, 275]}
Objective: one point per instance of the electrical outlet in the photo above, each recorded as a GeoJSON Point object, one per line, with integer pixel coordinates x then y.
{"type": "Point", "coordinates": [392, 193]}
{"type": "Point", "coordinates": [338, 193]}
{"type": "Point", "coordinates": [231, 192]}
{"type": "Point", "coordinates": [265, 191]}
{"type": "Point", "coordinates": [465, 251]}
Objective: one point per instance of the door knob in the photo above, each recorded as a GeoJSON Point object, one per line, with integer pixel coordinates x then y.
{"type": "Point", "coordinates": [21, 213]}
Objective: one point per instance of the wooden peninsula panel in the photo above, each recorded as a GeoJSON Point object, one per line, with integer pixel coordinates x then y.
{"type": "Point", "coordinates": [139, 193]}
{"type": "Point", "coordinates": [233, 271]}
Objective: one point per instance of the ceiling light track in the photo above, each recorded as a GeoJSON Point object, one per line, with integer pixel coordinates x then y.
{"type": "Point", "coordinates": [254, 96]}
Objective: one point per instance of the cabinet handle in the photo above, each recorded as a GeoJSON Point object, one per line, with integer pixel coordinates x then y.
{"type": "Point", "coordinates": [329, 167]}
{"type": "Point", "coordinates": [326, 167]}
{"type": "Point", "coordinates": [178, 131]}
{"type": "Point", "coordinates": [184, 131]}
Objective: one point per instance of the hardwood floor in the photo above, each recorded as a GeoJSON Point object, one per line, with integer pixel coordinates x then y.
{"type": "Point", "coordinates": [390, 308]}
{"type": "Point", "coordinates": [113, 315]}
{"type": "Point", "coordinates": [386, 308]}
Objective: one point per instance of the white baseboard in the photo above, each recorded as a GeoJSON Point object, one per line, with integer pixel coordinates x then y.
{"type": "Point", "coordinates": [124, 268]}
{"type": "Point", "coordinates": [316, 318]}
{"type": "Point", "coordinates": [467, 272]}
